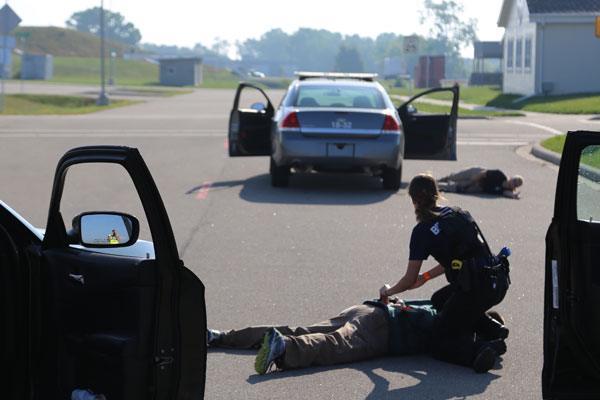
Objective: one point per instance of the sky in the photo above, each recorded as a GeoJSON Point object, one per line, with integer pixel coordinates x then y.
{"type": "Point", "coordinates": [187, 22]}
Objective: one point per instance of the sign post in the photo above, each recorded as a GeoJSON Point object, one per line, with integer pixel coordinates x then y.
{"type": "Point", "coordinates": [9, 20]}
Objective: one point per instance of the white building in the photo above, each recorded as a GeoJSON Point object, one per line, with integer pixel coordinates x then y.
{"type": "Point", "coordinates": [550, 46]}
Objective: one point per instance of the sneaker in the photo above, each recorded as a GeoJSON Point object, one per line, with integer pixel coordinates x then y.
{"type": "Point", "coordinates": [273, 347]}
{"type": "Point", "coordinates": [213, 337]}
{"type": "Point", "coordinates": [485, 359]}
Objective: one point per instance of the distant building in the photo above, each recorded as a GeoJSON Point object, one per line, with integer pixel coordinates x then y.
{"type": "Point", "coordinates": [394, 67]}
{"type": "Point", "coordinates": [37, 66]}
{"type": "Point", "coordinates": [486, 53]}
{"type": "Point", "coordinates": [550, 46]}
{"type": "Point", "coordinates": [180, 71]}
{"type": "Point", "coordinates": [430, 71]}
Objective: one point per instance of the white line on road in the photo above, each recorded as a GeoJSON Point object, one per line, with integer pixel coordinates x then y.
{"type": "Point", "coordinates": [539, 126]}
{"type": "Point", "coordinates": [113, 134]}
{"type": "Point", "coordinates": [490, 143]}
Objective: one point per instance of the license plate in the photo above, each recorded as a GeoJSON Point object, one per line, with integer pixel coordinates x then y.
{"type": "Point", "coordinates": [340, 150]}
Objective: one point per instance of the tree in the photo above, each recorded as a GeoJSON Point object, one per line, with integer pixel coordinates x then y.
{"type": "Point", "coordinates": [117, 28]}
{"type": "Point", "coordinates": [447, 26]}
{"type": "Point", "coordinates": [348, 60]}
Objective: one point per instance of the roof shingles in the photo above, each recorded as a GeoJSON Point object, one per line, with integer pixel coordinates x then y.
{"type": "Point", "coordinates": [563, 6]}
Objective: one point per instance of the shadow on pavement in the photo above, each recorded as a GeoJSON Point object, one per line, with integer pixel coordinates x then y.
{"type": "Point", "coordinates": [324, 189]}
{"type": "Point", "coordinates": [436, 380]}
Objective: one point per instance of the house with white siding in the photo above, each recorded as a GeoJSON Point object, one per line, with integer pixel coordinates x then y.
{"type": "Point", "coordinates": [550, 46]}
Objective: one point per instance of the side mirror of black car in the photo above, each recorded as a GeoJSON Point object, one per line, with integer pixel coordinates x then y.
{"type": "Point", "coordinates": [258, 106]}
{"type": "Point", "coordinates": [104, 229]}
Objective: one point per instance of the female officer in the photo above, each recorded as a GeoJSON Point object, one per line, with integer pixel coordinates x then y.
{"type": "Point", "coordinates": [451, 237]}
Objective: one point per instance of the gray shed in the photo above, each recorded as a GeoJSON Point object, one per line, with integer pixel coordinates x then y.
{"type": "Point", "coordinates": [180, 71]}
{"type": "Point", "coordinates": [37, 66]}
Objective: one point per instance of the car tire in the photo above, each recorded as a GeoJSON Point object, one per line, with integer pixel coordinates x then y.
{"type": "Point", "coordinates": [280, 175]}
{"type": "Point", "coordinates": [392, 178]}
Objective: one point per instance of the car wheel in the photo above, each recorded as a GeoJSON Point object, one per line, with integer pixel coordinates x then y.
{"type": "Point", "coordinates": [392, 178]}
{"type": "Point", "coordinates": [280, 175]}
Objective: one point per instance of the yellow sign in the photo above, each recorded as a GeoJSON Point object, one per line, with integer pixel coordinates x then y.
{"type": "Point", "coordinates": [598, 27]}
{"type": "Point", "coordinates": [456, 264]}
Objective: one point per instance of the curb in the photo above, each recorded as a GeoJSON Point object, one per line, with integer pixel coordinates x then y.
{"type": "Point", "coordinates": [537, 150]}
{"type": "Point", "coordinates": [546, 155]}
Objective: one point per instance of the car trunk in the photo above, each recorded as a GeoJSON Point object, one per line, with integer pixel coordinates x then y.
{"type": "Point", "coordinates": [332, 123]}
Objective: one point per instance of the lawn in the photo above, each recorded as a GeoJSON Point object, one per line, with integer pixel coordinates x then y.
{"type": "Point", "coordinates": [492, 96]}
{"type": "Point", "coordinates": [28, 104]}
{"type": "Point", "coordinates": [590, 156]}
{"type": "Point", "coordinates": [462, 112]}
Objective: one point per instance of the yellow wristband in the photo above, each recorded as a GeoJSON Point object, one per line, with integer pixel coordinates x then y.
{"type": "Point", "coordinates": [426, 276]}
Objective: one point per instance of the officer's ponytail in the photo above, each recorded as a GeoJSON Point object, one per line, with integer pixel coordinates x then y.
{"type": "Point", "coordinates": [424, 194]}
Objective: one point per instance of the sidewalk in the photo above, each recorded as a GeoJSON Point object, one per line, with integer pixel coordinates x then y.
{"type": "Point", "coordinates": [466, 106]}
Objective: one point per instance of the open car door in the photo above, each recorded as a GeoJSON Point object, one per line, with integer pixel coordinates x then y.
{"type": "Point", "coordinates": [430, 136]}
{"type": "Point", "coordinates": [572, 289]}
{"type": "Point", "coordinates": [123, 326]}
{"type": "Point", "coordinates": [250, 128]}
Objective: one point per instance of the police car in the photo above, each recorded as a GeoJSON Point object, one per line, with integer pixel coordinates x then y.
{"type": "Point", "coordinates": [119, 316]}
{"type": "Point", "coordinates": [339, 122]}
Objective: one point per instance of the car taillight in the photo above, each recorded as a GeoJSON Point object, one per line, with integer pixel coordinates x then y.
{"type": "Point", "coordinates": [291, 121]}
{"type": "Point", "coordinates": [390, 124]}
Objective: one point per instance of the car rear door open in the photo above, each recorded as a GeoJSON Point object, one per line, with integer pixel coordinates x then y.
{"type": "Point", "coordinates": [250, 127]}
{"type": "Point", "coordinates": [572, 275]}
{"type": "Point", "coordinates": [430, 136]}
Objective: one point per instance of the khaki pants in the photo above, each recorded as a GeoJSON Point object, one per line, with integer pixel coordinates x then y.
{"type": "Point", "coordinates": [358, 333]}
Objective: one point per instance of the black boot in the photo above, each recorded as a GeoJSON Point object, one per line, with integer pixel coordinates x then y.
{"type": "Point", "coordinates": [485, 359]}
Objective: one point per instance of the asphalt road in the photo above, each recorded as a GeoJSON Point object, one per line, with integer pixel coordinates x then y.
{"type": "Point", "coordinates": [301, 254]}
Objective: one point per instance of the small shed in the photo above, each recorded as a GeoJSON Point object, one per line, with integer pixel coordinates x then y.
{"type": "Point", "coordinates": [180, 71]}
{"type": "Point", "coordinates": [482, 75]}
{"type": "Point", "coordinates": [37, 66]}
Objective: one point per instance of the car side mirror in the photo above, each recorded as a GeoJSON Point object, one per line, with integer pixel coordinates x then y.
{"type": "Point", "coordinates": [411, 109]}
{"type": "Point", "coordinates": [105, 229]}
{"type": "Point", "coordinates": [258, 106]}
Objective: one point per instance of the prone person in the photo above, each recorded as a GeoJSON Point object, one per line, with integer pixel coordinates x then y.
{"type": "Point", "coordinates": [360, 332]}
{"type": "Point", "coordinates": [482, 180]}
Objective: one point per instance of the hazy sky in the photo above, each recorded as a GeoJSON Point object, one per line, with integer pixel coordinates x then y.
{"type": "Point", "coordinates": [186, 22]}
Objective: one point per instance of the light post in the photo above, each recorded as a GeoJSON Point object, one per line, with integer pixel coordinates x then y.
{"type": "Point", "coordinates": [102, 98]}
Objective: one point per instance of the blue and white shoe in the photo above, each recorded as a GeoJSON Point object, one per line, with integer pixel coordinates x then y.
{"type": "Point", "coordinates": [213, 337]}
{"type": "Point", "coordinates": [273, 347]}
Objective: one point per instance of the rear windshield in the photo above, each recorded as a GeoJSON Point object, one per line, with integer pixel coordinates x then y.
{"type": "Point", "coordinates": [339, 96]}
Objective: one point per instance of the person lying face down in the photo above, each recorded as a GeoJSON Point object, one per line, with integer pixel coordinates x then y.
{"type": "Point", "coordinates": [360, 332]}
{"type": "Point", "coordinates": [481, 180]}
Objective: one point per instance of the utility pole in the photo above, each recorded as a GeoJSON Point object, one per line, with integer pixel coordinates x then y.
{"type": "Point", "coordinates": [102, 98]}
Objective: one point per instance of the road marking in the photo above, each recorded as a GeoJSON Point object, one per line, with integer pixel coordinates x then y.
{"type": "Point", "coordinates": [202, 193]}
{"type": "Point", "coordinates": [226, 144]}
{"type": "Point", "coordinates": [539, 126]}
{"type": "Point", "coordinates": [489, 143]}
{"type": "Point", "coordinates": [104, 134]}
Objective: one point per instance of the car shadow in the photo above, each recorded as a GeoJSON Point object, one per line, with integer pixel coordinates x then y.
{"type": "Point", "coordinates": [309, 188]}
{"type": "Point", "coordinates": [436, 380]}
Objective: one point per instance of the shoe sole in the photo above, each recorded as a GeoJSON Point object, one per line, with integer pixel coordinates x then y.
{"type": "Point", "coordinates": [485, 360]}
{"type": "Point", "coordinates": [260, 363]}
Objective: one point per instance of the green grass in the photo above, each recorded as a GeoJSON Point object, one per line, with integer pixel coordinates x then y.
{"type": "Point", "coordinates": [492, 96]}
{"type": "Point", "coordinates": [462, 112]}
{"type": "Point", "coordinates": [590, 156]}
{"type": "Point", "coordinates": [29, 104]}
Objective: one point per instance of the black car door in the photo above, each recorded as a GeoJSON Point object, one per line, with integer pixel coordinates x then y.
{"type": "Point", "coordinates": [572, 279]}
{"type": "Point", "coordinates": [250, 128]}
{"type": "Point", "coordinates": [125, 327]}
{"type": "Point", "coordinates": [430, 136]}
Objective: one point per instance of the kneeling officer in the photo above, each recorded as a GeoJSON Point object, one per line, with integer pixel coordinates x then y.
{"type": "Point", "coordinates": [477, 279]}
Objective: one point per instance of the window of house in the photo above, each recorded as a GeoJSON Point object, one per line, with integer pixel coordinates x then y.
{"type": "Point", "coordinates": [509, 53]}
{"type": "Point", "coordinates": [519, 55]}
{"type": "Point", "coordinates": [528, 51]}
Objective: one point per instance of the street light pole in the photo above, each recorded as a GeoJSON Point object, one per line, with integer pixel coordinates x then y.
{"type": "Point", "coordinates": [103, 98]}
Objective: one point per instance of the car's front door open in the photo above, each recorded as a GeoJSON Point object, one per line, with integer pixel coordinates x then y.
{"type": "Point", "coordinates": [572, 275]}
{"type": "Point", "coordinates": [250, 127]}
{"type": "Point", "coordinates": [126, 327]}
{"type": "Point", "coordinates": [430, 136]}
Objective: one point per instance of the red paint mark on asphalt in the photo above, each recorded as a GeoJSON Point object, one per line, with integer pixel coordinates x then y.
{"type": "Point", "coordinates": [202, 193]}
{"type": "Point", "coordinates": [226, 144]}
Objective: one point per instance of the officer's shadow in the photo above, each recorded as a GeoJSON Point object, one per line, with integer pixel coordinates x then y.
{"type": "Point", "coordinates": [435, 380]}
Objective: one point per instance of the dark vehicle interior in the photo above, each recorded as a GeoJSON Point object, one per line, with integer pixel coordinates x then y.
{"type": "Point", "coordinates": [254, 138]}
{"type": "Point", "coordinates": [428, 135]}
{"type": "Point", "coordinates": [125, 327]}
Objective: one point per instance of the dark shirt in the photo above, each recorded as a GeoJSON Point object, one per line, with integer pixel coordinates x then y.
{"type": "Point", "coordinates": [492, 181]}
{"type": "Point", "coordinates": [447, 237]}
